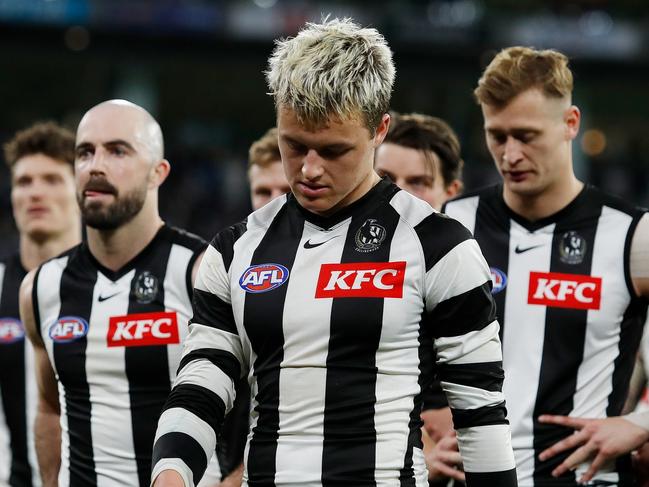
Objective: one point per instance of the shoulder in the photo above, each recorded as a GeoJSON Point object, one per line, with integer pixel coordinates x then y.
{"type": "Point", "coordinates": [472, 198]}
{"type": "Point", "coordinates": [597, 196]}
{"type": "Point", "coordinates": [184, 238]}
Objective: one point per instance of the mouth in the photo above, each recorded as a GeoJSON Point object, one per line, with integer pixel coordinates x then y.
{"type": "Point", "coordinates": [37, 211]}
{"type": "Point", "coordinates": [312, 190]}
{"type": "Point", "coordinates": [518, 176]}
{"type": "Point", "coordinates": [99, 190]}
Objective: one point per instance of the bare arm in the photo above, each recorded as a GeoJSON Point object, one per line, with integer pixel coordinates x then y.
{"type": "Point", "coordinates": [169, 478]}
{"type": "Point", "coordinates": [639, 258]}
{"type": "Point", "coordinates": [234, 479]}
{"type": "Point", "coordinates": [47, 428]}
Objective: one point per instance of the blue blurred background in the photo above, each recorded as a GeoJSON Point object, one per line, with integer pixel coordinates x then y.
{"type": "Point", "coordinates": [197, 65]}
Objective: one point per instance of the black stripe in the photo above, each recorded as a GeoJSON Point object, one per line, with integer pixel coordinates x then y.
{"type": "Point", "coordinates": [349, 446]}
{"type": "Point", "coordinates": [222, 359]}
{"type": "Point", "coordinates": [224, 242]}
{"type": "Point", "coordinates": [210, 310]}
{"type": "Point", "coordinates": [37, 313]}
{"type": "Point", "coordinates": [484, 416]}
{"type": "Point", "coordinates": [491, 479]}
{"type": "Point", "coordinates": [563, 346]}
{"type": "Point", "coordinates": [200, 401]}
{"type": "Point", "coordinates": [492, 228]}
{"type": "Point", "coordinates": [147, 368]}
{"type": "Point", "coordinates": [459, 315]}
{"type": "Point", "coordinates": [485, 375]}
{"type": "Point", "coordinates": [193, 454]}
{"type": "Point", "coordinates": [438, 235]}
{"type": "Point", "coordinates": [76, 292]}
{"type": "Point", "coordinates": [13, 379]}
{"type": "Point", "coordinates": [262, 319]}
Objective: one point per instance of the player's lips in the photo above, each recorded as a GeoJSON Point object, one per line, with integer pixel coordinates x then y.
{"type": "Point", "coordinates": [37, 210]}
{"type": "Point", "coordinates": [311, 190]}
{"type": "Point", "coordinates": [99, 189]}
{"type": "Point", "coordinates": [518, 176]}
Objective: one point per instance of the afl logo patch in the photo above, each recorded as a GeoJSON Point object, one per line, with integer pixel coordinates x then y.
{"type": "Point", "coordinates": [263, 277]}
{"type": "Point", "coordinates": [369, 237]}
{"type": "Point", "coordinates": [11, 330]}
{"type": "Point", "coordinates": [68, 329]}
{"type": "Point", "coordinates": [145, 287]}
{"type": "Point", "coordinates": [498, 279]}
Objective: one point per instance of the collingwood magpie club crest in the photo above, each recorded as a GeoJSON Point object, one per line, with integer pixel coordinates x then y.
{"type": "Point", "coordinates": [572, 248]}
{"type": "Point", "coordinates": [145, 287]}
{"type": "Point", "coordinates": [370, 236]}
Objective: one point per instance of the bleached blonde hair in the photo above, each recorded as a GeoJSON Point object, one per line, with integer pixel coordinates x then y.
{"type": "Point", "coordinates": [333, 69]}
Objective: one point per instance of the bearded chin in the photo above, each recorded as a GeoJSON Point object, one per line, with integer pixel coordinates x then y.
{"type": "Point", "coordinates": [111, 217]}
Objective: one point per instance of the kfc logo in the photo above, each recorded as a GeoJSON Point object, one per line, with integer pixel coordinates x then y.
{"type": "Point", "coordinates": [361, 280]}
{"type": "Point", "coordinates": [143, 329]}
{"type": "Point", "coordinates": [565, 290]}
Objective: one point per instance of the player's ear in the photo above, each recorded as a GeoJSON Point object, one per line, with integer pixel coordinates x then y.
{"type": "Point", "coordinates": [382, 129]}
{"type": "Point", "coordinates": [572, 119]}
{"type": "Point", "coordinates": [159, 173]}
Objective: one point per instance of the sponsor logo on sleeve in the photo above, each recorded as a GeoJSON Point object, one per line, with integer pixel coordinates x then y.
{"type": "Point", "coordinates": [11, 331]}
{"type": "Point", "coordinates": [143, 329]}
{"type": "Point", "coordinates": [262, 278]}
{"type": "Point", "coordinates": [498, 279]}
{"type": "Point", "coordinates": [361, 280]}
{"type": "Point", "coordinates": [68, 329]}
{"type": "Point", "coordinates": [558, 290]}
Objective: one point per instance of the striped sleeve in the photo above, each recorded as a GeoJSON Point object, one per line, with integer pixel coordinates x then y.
{"type": "Point", "coordinates": [203, 392]}
{"type": "Point", "coordinates": [461, 315]}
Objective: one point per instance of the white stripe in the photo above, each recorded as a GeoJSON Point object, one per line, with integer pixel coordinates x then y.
{"type": "Point", "coordinates": [212, 276]}
{"type": "Point", "coordinates": [466, 397]}
{"type": "Point", "coordinates": [49, 307]}
{"type": "Point", "coordinates": [523, 339]}
{"type": "Point", "coordinates": [410, 208]}
{"type": "Point", "coordinates": [178, 420]}
{"type": "Point", "coordinates": [176, 298]}
{"type": "Point", "coordinates": [205, 374]}
{"type": "Point", "coordinates": [5, 453]}
{"type": "Point", "coordinates": [462, 269]}
{"type": "Point", "coordinates": [478, 451]}
{"type": "Point", "coordinates": [464, 210]}
{"type": "Point", "coordinates": [397, 360]}
{"type": "Point", "coordinates": [201, 336]}
{"type": "Point", "coordinates": [473, 347]}
{"type": "Point", "coordinates": [110, 420]}
{"type": "Point", "coordinates": [303, 367]}
{"type": "Point", "coordinates": [3, 267]}
{"type": "Point", "coordinates": [32, 406]}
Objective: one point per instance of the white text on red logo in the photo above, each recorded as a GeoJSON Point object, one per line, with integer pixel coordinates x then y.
{"type": "Point", "coordinates": [143, 329]}
{"type": "Point", "coordinates": [565, 290]}
{"type": "Point", "coordinates": [361, 280]}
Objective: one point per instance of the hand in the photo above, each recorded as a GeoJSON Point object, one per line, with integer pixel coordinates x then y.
{"type": "Point", "coordinates": [641, 466]}
{"type": "Point", "coordinates": [437, 423]}
{"type": "Point", "coordinates": [601, 439]}
{"type": "Point", "coordinates": [444, 460]}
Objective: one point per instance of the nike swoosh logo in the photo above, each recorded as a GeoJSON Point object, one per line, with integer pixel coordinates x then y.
{"type": "Point", "coordinates": [104, 298]}
{"type": "Point", "coordinates": [519, 250]}
{"type": "Point", "coordinates": [309, 245]}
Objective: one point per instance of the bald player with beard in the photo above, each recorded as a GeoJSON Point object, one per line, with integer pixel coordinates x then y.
{"type": "Point", "coordinates": [107, 318]}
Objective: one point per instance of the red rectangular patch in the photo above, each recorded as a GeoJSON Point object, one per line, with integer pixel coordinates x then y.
{"type": "Point", "coordinates": [558, 290]}
{"type": "Point", "coordinates": [143, 329]}
{"type": "Point", "coordinates": [361, 280]}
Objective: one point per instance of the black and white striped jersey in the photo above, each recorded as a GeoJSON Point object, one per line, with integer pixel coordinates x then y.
{"type": "Point", "coordinates": [571, 323]}
{"type": "Point", "coordinates": [114, 342]}
{"type": "Point", "coordinates": [18, 466]}
{"type": "Point", "coordinates": [334, 321]}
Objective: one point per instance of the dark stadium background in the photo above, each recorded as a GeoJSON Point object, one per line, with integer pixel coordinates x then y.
{"type": "Point", "coordinates": [197, 65]}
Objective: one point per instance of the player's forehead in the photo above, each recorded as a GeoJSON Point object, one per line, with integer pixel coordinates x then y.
{"type": "Point", "coordinates": [405, 161]}
{"type": "Point", "coordinates": [335, 130]}
{"type": "Point", "coordinates": [529, 110]}
{"type": "Point", "coordinates": [35, 165]}
{"type": "Point", "coordinates": [107, 122]}
{"type": "Point", "coordinates": [267, 173]}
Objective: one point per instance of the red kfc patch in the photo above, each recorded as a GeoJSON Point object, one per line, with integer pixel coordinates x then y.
{"type": "Point", "coordinates": [361, 280]}
{"type": "Point", "coordinates": [143, 329]}
{"type": "Point", "coordinates": [565, 290]}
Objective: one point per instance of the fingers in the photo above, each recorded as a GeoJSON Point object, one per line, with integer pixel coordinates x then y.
{"type": "Point", "coordinates": [594, 467]}
{"type": "Point", "coordinates": [576, 423]}
{"type": "Point", "coordinates": [578, 457]}
{"type": "Point", "coordinates": [568, 443]}
{"type": "Point", "coordinates": [447, 471]}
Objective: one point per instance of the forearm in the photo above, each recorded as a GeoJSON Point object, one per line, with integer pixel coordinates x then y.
{"type": "Point", "coordinates": [47, 438]}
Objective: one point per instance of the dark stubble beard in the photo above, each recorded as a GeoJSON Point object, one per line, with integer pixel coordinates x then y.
{"type": "Point", "coordinates": [113, 216]}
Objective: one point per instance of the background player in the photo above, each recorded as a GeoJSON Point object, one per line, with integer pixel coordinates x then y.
{"type": "Point", "coordinates": [107, 318]}
{"type": "Point", "coordinates": [568, 263]}
{"type": "Point", "coordinates": [40, 159]}
{"type": "Point", "coordinates": [265, 171]}
{"type": "Point", "coordinates": [337, 369]}
{"type": "Point", "coordinates": [421, 154]}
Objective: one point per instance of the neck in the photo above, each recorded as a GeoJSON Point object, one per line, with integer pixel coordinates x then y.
{"type": "Point", "coordinates": [33, 253]}
{"type": "Point", "coordinates": [534, 207]}
{"type": "Point", "coordinates": [115, 248]}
